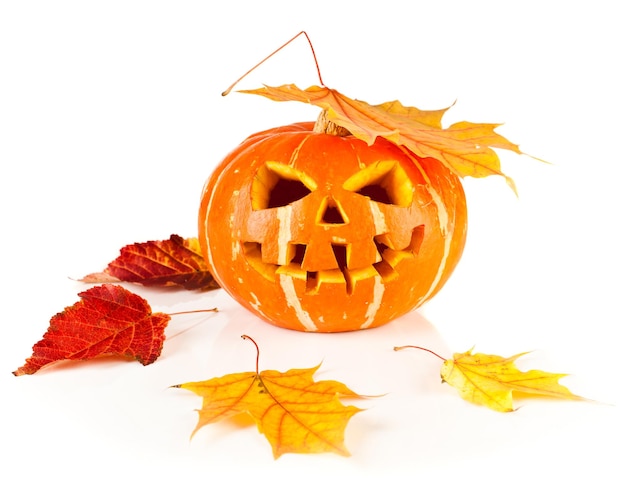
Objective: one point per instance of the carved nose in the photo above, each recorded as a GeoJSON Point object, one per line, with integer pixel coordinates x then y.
{"type": "Point", "coordinates": [331, 212]}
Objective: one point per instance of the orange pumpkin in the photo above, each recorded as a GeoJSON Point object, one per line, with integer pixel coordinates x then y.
{"type": "Point", "coordinates": [321, 232]}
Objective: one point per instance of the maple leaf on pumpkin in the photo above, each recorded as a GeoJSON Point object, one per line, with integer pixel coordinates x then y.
{"type": "Point", "coordinates": [464, 147]}
{"type": "Point", "coordinates": [175, 261]}
{"type": "Point", "coordinates": [108, 320]}
{"type": "Point", "coordinates": [295, 413]}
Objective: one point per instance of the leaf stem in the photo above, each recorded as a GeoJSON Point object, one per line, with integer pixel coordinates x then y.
{"type": "Point", "coordinates": [258, 352]}
{"type": "Point", "coordinates": [398, 348]}
{"type": "Point", "coordinates": [319, 74]}
{"type": "Point", "coordinates": [193, 311]}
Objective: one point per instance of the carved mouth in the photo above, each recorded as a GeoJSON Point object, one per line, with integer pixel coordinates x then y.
{"type": "Point", "coordinates": [385, 266]}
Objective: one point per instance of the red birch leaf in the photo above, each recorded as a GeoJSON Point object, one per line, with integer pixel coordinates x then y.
{"type": "Point", "coordinates": [172, 262]}
{"type": "Point", "coordinates": [108, 320]}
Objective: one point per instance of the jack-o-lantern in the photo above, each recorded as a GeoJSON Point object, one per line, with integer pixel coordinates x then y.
{"type": "Point", "coordinates": [321, 232]}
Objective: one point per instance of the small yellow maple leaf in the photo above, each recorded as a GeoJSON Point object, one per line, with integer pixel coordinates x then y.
{"type": "Point", "coordinates": [295, 413]}
{"type": "Point", "coordinates": [490, 380]}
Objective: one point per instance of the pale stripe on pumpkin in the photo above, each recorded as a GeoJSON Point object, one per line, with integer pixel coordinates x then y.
{"type": "Point", "coordinates": [291, 297]}
{"type": "Point", "coordinates": [445, 226]}
{"type": "Point", "coordinates": [206, 233]}
{"type": "Point", "coordinates": [380, 225]}
{"type": "Point", "coordinates": [284, 233]}
{"type": "Point", "coordinates": [377, 298]}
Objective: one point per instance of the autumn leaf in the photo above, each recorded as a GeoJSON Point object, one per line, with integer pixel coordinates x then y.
{"type": "Point", "coordinates": [295, 413]}
{"type": "Point", "coordinates": [464, 147]}
{"type": "Point", "coordinates": [490, 380]}
{"type": "Point", "coordinates": [175, 261]}
{"type": "Point", "coordinates": [108, 320]}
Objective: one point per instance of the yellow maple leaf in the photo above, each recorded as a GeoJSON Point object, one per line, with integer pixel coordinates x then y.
{"type": "Point", "coordinates": [464, 147]}
{"type": "Point", "coordinates": [295, 413]}
{"type": "Point", "coordinates": [490, 380]}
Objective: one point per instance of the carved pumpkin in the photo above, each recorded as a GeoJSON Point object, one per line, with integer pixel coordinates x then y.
{"type": "Point", "coordinates": [321, 232]}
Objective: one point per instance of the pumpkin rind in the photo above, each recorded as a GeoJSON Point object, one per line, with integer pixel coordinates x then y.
{"type": "Point", "coordinates": [324, 233]}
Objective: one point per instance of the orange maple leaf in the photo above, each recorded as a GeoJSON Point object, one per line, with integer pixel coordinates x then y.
{"type": "Point", "coordinates": [464, 147]}
{"type": "Point", "coordinates": [295, 413]}
{"type": "Point", "coordinates": [108, 320]}
{"type": "Point", "coordinates": [171, 262]}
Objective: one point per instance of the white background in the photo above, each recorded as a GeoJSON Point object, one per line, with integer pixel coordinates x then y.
{"type": "Point", "coordinates": [111, 119]}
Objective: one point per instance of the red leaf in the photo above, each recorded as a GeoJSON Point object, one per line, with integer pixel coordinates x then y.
{"type": "Point", "coordinates": [108, 320]}
{"type": "Point", "coordinates": [176, 261]}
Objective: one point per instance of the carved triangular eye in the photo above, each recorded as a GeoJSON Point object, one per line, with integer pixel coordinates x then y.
{"type": "Point", "coordinates": [383, 181]}
{"type": "Point", "coordinates": [277, 185]}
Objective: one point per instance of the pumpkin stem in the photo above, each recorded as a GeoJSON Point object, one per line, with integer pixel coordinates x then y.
{"type": "Point", "coordinates": [324, 126]}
